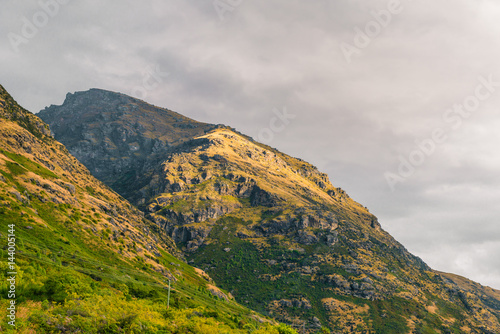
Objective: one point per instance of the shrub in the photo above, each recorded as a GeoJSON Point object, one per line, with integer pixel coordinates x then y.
{"type": "Point", "coordinates": [284, 329]}
{"type": "Point", "coordinates": [59, 288]}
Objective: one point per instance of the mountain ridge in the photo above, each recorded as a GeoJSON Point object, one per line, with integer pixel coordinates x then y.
{"type": "Point", "coordinates": [135, 132]}
{"type": "Point", "coordinates": [257, 219]}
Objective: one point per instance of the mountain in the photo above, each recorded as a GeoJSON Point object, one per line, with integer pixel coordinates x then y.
{"type": "Point", "coordinates": [118, 137]}
{"type": "Point", "coordinates": [82, 259]}
{"type": "Point", "coordinates": [272, 229]}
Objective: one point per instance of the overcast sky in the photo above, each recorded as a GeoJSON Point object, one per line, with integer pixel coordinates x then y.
{"type": "Point", "coordinates": [398, 101]}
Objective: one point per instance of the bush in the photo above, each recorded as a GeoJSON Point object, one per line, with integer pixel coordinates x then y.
{"type": "Point", "coordinates": [284, 329]}
{"type": "Point", "coordinates": [59, 287]}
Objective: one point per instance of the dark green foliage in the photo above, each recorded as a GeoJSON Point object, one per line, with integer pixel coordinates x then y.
{"type": "Point", "coordinates": [59, 287]}
{"type": "Point", "coordinates": [15, 168]}
{"type": "Point", "coordinates": [90, 190]}
{"type": "Point", "coordinates": [387, 316]}
{"type": "Point", "coordinates": [24, 164]}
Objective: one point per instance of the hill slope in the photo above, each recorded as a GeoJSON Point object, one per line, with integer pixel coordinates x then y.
{"type": "Point", "coordinates": [274, 231]}
{"type": "Point", "coordinates": [85, 259]}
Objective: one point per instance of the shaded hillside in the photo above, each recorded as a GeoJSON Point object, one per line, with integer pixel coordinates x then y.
{"type": "Point", "coordinates": [272, 230]}
{"type": "Point", "coordinates": [86, 260]}
{"type": "Point", "coordinates": [117, 137]}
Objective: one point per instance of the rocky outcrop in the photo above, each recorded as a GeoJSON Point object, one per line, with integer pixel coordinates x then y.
{"type": "Point", "coordinates": [305, 228]}
{"type": "Point", "coordinates": [194, 216]}
{"type": "Point", "coordinates": [259, 196]}
{"type": "Point", "coordinates": [219, 293]}
{"type": "Point", "coordinates": [293, 303]}
{"type": "Point", "coordinates": [362, 289]}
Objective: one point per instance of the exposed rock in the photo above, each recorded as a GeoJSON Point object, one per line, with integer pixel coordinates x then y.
{"type": "Point", "coordinates": [119, 149]}
{"type": "Point", "coordinates": [331, 240]}
{"type": "Point", "coordinates": [337, 281]}
{"type": "Point", "coordinates": [316, 322]}
{"type": "Point", "coordinates": [18, 196]}
{"type": "Point", "coordinates": [296, 303]}
{"type": "Point", "coordinates": [259, 196]}
{"type": "Point", "coordinates": [285, 303]}
{"type": "Point", "coordinates": [243, 235]}
{"type": "Point", "coordinates": [351, 268]}
{"type": "Point", "coordinates": [71, 188]}
{"type": "Point", "coordinates": [306, 238]}
{"type": "Point", "coordinates": [218, 292]}
{"type": "Point", "coordinates": [367, 280]}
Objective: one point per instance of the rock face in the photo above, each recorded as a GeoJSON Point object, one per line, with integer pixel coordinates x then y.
{"type": "Point", "coordinates": [118, 138]}
{"type": "Point", "coordinates": [269, 228]}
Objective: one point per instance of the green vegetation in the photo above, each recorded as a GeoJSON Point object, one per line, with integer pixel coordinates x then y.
{"type": "Point", "coordinates": [15, 168]}
{"type": "Point", "coordinates": [23, 164]}
{"type": "Point", "coordinates": [66, 284]}
{"type": "Point", "coordinates": [69, 279]}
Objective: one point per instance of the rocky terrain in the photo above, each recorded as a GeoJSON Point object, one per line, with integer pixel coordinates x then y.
{"type": "Point", "coordinates": [119, 138]}
{"type": "Point", "coordinates": [274, 232]}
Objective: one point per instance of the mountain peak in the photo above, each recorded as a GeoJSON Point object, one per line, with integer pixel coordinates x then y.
{"type": "Point", "coordinates": [118, 136]}
{"type": "Point", "coordinates": [99, 94]}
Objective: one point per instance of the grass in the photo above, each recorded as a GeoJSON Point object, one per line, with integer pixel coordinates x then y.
{"type": "Point", "coordinates": [24, 164]}
{"type": "Point", "coordinates": [61, 268]}
{"type": "Point", "coordinates": [71, 280]}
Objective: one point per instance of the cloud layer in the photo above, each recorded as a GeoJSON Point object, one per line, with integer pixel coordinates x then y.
{"type": "Point", "coordinates": [368, 84]}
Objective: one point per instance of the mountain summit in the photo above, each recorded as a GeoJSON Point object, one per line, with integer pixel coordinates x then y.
{"type": "Point", "coordinates": [118, 137]}
{"type": "Point", "coordinates": [269, 228]}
